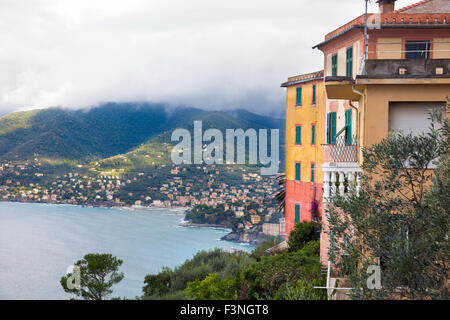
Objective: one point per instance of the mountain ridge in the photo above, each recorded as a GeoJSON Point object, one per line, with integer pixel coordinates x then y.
{"type": "Point", "coordinates": [111, 129]}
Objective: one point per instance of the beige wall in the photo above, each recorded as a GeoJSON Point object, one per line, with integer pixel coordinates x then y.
{"type": "Point", "coordinates": [442, 47]}
{"type": "Point", "coordinates": [378, 97]}
{"type": "Point", "coordinates": [386, 46]}
{"type": "Point", "coordinates": [328, 65]}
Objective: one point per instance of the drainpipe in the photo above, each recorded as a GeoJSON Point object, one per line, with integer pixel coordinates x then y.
{"type": "Point", "coordinates": [358, 133]}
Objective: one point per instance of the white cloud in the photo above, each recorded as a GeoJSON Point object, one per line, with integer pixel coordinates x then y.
{"type": "Point", "coordinates": [205, 53]}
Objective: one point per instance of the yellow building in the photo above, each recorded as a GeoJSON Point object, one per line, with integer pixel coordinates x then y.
{"type": "Point", "coordinates": [304, 138]}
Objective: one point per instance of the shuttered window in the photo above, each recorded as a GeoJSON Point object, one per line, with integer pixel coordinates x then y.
{"type": "Point", "coordinates": [312, 172]}
{"type": "Point", "coordinates": [313, 134]}
{"type": "Point", "coordinates": [350, 62]}
{"type": "Point", "coordinates": [297, 171]}
{"type": "Point", "coordinates": [299, 97]}
{"type": "Point", "coordinates": [334, 65]}
{"type": "Point", "coordinates": [314, 94]}
{"type": "Point", "coordinates": [348, 126]}
{"type": "Point", "coordinates": [297, 213]}
{"type": "Point", "coordinates": [331, 128]}
{"type": "Point", "coordinates": [298, 134]}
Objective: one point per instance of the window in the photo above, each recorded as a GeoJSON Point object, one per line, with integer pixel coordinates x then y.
{"type": "Point", "coordinates": [313, 134]}
{"type": "Point", "coordinates": [312, 172]}
{"type": "Point", "coordinates": [334, 65]}
{"type": "Point", "coordinates": [297, 213]}
{"type": "Point", "coordinates": [331, 128]}
{"type": "Point", "coordinates": [297, 171]}
{"type": "Point", "coordinates": [348, 126]}
{"type": "Point", "coordinates": [314, 94]}
{"type": "Point", "coordinates": [419, 49]}
{"type": "Point", "coordinates": [350, 62]}
{"type": "Point", "coordinates": [298, 134]}
{"type": "Point", "coordinates": [299, 97]}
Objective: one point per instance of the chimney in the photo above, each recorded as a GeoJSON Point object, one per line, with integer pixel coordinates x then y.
{"type": "Point", "coordinates": [387, 6]}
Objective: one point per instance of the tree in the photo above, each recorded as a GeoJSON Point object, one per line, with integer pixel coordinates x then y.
{"type": "Point", "coordinates": [98, 273]}
{"type": "Point", "coordinates": [399, 221]}
{"type": "Point", "coordinates": [158, 284]}
{"type": "Point", "coordinates": [302, 233]}
{"type": "Point", "coordinates": [280, 196]}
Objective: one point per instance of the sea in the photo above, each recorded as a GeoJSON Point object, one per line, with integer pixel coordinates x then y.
{"type": "Point", "coordinates": [40, 242]}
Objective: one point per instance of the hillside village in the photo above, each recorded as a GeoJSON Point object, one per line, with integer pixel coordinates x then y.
{"type": "Point", "coordinates": [240, 191]}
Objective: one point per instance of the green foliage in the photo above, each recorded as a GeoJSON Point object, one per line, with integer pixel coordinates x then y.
{"type": "Point", "coordinates": [202, 213]}
{"type": "Point", "coordinates": [212, 288]}
{"type": "Point", "coordinates": [302, 233]}
{"type": "Point", "coordinates": [281, 193]}
{"type": "Point", "coordinates": [171, 282]}
{"type": "Point", "coordinates": [158, 284]}
{"type": "Point", "coordinates": [261, 249]}
{"type": "Point", "coordinates": [399, 218]}
{"type": "Point", "coordinates": [98, 273]}
{"type": "Point", "coordinates": [302, 290]}
{"type": "Point", "coordinates": [266, 278]}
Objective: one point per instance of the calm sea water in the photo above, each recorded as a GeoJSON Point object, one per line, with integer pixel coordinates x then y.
{"type": "Point", "coordinates": [38, 242]}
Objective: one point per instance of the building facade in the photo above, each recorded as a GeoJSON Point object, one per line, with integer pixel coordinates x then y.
{"type": "Point", "coordinates": [304, 127]}
{"type": "Point", "coordinates": [391, 86]}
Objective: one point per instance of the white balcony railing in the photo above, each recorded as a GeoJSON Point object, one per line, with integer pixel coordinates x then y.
{"type": "Point", "coordinates": [340, 177]}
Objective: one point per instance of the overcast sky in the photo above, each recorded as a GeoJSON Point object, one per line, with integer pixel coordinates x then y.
{"type": "Point", "coordinates": [204, 53]}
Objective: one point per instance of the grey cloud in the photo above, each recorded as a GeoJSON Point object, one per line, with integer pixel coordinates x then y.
{"type": "Point", "coordinates": [205, 53]}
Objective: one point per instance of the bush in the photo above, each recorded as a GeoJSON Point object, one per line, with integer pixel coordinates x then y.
{"type": "Point", "coordinates": [264, 279]}
{"type": "Point", "coordinates": [212, 288]}
{"type": "Point", "coordinates": [173, 282]}
{"type": "Point", "coordinates": [301, 234]}
{"type": "Point", "coordinates": [261, 249]}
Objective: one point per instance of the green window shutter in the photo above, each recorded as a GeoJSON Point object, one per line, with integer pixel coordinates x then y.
{"type": "Point", "coordinates": [334, 65]}
{"type": "Point", "coordinates": [350, 62]}
{"type": "Point", "coordinates": [297, 171]}
{"type": "Point", "coordinates": [328, 128]}
{"type": "Point", "coordinates": [348, 126]}
{"type": "Point", "coordinates": [297, 213]}
{"type": "Point", "coordinates": [333, 128]}
{"type": "Point", "coordinates": [313, 134]}
{"type": "Point", "coordinates": [314, 95]}
{"type": "Point", "coordinates": [299, 97]}
{"type": "Point", "coordinates": [312, 172]}
{"type": "Point", "coordinates": [298, 135]}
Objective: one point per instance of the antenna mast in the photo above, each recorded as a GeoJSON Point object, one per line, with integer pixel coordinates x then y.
{"type": "Point", "coordinates": [366, 41]}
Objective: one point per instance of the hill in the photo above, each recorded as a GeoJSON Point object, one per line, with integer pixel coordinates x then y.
{"type": "Point", "coordinates": [130, 134]}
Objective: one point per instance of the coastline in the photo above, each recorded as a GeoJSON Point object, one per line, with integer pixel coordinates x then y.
{"type": "Point", "coordinates": [242, 237]}
{"type": "Point", "coordinates": [123, 207]}
{"type": "Point", "coordinates": [233, 236]}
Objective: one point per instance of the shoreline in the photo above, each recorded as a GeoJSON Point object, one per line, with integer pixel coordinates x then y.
{"type": "Point", "coordinates": [232, 236]}
{"type": "Point", "coordinates": [123, 207]}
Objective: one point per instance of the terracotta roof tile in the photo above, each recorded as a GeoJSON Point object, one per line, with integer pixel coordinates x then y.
{"type": "Point", "coordinates": [412, 5]}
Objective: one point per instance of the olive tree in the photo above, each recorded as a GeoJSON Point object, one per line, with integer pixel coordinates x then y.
{"type": "Point", "coordinates": [399, 220]}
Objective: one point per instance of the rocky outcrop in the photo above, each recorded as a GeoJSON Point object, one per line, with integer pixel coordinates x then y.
{"type": "Point", "coordinates": [252, 238]}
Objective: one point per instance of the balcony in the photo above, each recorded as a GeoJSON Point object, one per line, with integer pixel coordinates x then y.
{"type": "Point", "coordinates": [342, 150]}
{"type": "Point", "coordinates": [407, 68]}
{"type": "Point", "coordinates": [340, 177]}
{"type": "Point", "coordinates": [340, 169]}
{"type": "Point", "coordinates": [389, 71]}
